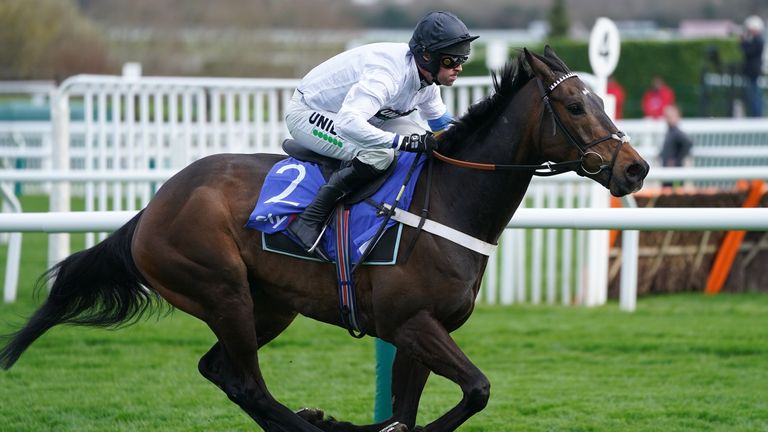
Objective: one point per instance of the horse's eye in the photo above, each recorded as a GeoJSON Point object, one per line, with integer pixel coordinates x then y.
{"type": "Point", "coordinates": [575, 108]}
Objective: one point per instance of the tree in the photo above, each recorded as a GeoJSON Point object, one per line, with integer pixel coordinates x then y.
{"type": "Point", "coordinates": [559, 22]}
{"type": "Point", "coordinates": [47, 39]}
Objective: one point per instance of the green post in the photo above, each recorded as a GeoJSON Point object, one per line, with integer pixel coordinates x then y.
{"type": "Point", "coordinates": [20, 164]}
{"type": "Point", "coordinates": [385, 357]}
{"type": "Point", "coordinates": [152, 185]}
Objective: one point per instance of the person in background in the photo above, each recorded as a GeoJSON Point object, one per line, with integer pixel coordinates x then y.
{"type": "Point", "coordinates": [657, 98]}
{"type": "Point", "coordinates": [353, 107]}
{"type": "Point", "coordinates": [615, 89]}
{"type": "Point", "coordinates": [752, 43]}
{"type": "Point", "coordinates": [677, 144]}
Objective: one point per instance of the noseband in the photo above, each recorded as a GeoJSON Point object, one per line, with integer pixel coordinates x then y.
{"type": "Point", "coordinates": [548, 168]}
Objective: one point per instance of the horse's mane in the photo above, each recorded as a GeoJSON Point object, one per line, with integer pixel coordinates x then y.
{"type": "Point", "coordinates": [511, 79]}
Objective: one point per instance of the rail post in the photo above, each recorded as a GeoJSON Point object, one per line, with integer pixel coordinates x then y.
{"type": "Point", "coordinates": [58, 244]}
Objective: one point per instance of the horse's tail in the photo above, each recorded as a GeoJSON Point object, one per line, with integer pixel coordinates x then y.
{"type": "Point", "coordinates": [99, 286]}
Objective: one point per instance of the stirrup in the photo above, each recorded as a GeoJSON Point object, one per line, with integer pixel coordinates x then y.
{"type": "Point", "coordinates": [396, 426]}
{"type": "Point", "coordinates": [317, 240]}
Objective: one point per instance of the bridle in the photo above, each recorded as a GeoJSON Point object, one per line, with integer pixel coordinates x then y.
{"type": "Point", "coordinates": [549, 168]}
{"type": "Point", "coordinates": [545, 169]}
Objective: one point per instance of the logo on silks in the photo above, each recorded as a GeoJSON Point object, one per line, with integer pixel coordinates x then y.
{"type": "Point", "coordinates": [390, 114]}
{"type": "Point", "coordinates": [324, 129]}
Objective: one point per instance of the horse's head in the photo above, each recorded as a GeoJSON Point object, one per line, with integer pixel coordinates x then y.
{"type": "Point", "coordinates": [574, 126]}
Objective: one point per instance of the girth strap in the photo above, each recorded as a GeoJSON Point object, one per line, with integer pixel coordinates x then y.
{"type": "Point", "coordinates": [344, 271]}
{"type": "Point", "coordinates": [347, 300]}
{"type": "Point", "coordinates": [446, 232]}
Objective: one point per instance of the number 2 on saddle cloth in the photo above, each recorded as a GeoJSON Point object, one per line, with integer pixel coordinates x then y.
{"type": "Point", "coordinates": [291, 184]}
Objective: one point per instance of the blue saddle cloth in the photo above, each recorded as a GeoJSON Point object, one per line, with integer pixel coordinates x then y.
{"type": "Point", "coordinates": [291, 184]}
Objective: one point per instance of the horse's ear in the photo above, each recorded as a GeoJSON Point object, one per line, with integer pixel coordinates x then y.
{"type": "Point", "coordinates": [539, 68]}
{"type": "Point", "coordinates": [549, 52]}
{"type": "Point", "coordinates": [528, 56]}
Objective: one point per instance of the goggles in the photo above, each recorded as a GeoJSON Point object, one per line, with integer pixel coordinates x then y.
{"type": "Point", "coordinates": [450, 61]}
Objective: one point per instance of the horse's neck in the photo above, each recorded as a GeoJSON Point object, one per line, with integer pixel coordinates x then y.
{"type": "Point", "coordinates": [481, 203]}
{"type": "Point", "coordinates": [476, 204]}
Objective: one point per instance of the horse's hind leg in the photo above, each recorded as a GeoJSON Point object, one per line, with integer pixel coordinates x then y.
{"type": "Point", "coordinates": [232, 364]}
{"type": "Point", "coordinates": [184, 247]}
{"type": "Point", "coordinates": [270, 323]}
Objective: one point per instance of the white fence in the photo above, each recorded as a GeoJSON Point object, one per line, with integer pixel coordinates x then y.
{"type": "Point", "coordinates": [136, 131]}
{"type": "Point", "coordinates": [123, 127]}
{"type": "Point", "coordinates": [628, 219]}
{"type": "Point", "coordinates": [716, 142]}
{"type": "Point", "coordinates": [513, 275]}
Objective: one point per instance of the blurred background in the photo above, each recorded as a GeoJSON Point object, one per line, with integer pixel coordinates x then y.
{"type": "Point", "coordinates": [692, 44]}
{"type": "Point", "coordinates": [161, 100]}
{"type": "Point", "coordinates": [175, 80]}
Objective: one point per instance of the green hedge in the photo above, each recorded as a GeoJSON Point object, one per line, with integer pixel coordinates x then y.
{"type": "Point", "coordinates": [680, 63]}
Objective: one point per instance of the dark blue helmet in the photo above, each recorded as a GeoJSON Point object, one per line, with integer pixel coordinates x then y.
{"type": "Point", "coordinates": [439, 33]}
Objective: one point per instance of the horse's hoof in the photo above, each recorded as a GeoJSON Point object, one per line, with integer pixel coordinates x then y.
{"type": "Point", "coordinates": [311, 415]}
{"type": "Point", "coordinates": [395, 427]}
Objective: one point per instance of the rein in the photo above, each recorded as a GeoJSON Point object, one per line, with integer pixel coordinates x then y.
{"type": "Point", "coordinates": [548, 168]}
{"type": "Point", "coordinates": [551, 168]}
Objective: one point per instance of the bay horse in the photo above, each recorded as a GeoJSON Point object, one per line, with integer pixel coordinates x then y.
{"type": "Point", "coordinates": [189, 247]}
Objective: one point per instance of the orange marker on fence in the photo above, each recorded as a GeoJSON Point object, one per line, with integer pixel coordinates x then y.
{"type": "Point", "coordinates": [728, 250]}
{"type": "Point", "coordinates": [614, 234]}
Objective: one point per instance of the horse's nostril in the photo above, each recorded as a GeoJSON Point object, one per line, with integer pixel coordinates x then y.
{"type": "Point", "coordinates": [635, 171]}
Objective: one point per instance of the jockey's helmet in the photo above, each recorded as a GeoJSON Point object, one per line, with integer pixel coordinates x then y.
{"type": "Point", "coordinates": [439, 33]}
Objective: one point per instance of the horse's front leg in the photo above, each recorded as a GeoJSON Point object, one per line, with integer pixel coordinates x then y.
{"type": "Point", "coordinates": [424, 339]}
{"type": "Point", "coordinates": [408, 380]}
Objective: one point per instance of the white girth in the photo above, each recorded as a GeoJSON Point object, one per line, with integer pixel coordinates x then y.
{"type": "Point", "coordinates": [446, 232]}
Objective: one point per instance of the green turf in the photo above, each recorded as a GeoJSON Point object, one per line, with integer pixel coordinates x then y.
{"type": "Point", "coordinates": [680, 363]}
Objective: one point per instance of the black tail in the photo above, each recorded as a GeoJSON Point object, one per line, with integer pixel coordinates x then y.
{"type": "Point", "coordinates": [100, 286]}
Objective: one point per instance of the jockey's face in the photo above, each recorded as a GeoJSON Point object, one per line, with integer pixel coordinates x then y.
{"type": "Point", "coordinates": [447, 76]}
{"type": "Point", "coordinates": [448, 70]}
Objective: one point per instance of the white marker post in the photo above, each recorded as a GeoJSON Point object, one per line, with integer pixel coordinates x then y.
{"type": "Point", "coordinates": [603, 57]}
{"type": "Point", "coordinates": [604, 50]}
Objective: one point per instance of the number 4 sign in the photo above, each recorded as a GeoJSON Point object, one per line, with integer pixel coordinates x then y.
{"type": "Point", "coordinates": [604, 47]}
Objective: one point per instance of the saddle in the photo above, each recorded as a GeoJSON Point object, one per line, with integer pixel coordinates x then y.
{"type": "Point", "coordinates": [382, 251]}
{"type": "Point", "coordinates": [288, 188]}
{"type": "Point", "coordinates": [328, 165]}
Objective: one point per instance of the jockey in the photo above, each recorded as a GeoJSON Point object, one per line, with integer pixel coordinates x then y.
{"type": "Point", "coordinates": [352, 107]}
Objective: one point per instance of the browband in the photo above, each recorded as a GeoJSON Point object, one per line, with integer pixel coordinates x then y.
{"type": "Point", "coordinates": [560, 81]}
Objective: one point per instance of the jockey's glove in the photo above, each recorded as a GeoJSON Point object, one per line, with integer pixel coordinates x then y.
{"type": "Point", "coordinates": [416, 143]}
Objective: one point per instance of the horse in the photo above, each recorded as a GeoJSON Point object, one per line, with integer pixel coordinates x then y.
{"type": "Point", "coordinates": [188, 248]}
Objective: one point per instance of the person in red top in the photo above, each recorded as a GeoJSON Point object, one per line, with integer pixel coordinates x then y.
{"type": "Point", "coordinates": [615, 89]}
{"type": "Point", "coordinates": [656, 98]}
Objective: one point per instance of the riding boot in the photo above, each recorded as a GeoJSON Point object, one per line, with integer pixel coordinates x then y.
{"type": "Point", "coordinates": [308, 226]}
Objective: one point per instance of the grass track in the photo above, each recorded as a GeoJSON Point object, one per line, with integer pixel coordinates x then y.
{"type": "Point", "coordinates": [681, 363]}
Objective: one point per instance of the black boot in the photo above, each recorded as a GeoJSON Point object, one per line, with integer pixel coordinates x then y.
{"type": "Point", "coordinates": [308, 226]}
